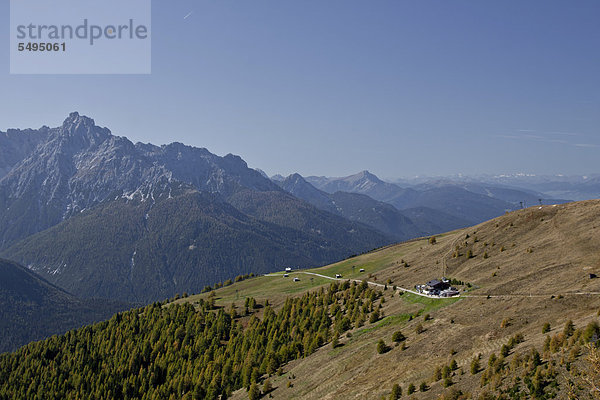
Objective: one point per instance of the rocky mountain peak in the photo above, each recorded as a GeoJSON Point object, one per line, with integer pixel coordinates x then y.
{"type": "Point", "coordinates": [80, 126]}
{"type": "Point", "coordinates": [296, 178]}
{"type": "Point", "coordinates": [78, 165]}
{"type": "Point", "coordinates": [299, 187]}
{"type": "Point", "coordinates": [366, 175]}
{"type": "Point", "coordinates": [235, 161]}
{"type": "Point", "coordinates": [75, 121]}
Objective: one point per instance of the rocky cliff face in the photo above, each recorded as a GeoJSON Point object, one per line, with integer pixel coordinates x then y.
{"type": "Point", "coordinates": [15, 145]}
{"type": "Point", "coordinates": [49, 175]}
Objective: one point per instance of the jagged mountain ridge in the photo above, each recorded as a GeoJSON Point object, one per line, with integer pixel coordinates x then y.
{"type": "Point", "coordinates": [78, 165]}
{"type": "Point", "coordinates": [364, 182]}
{"type": "Point", "coordinates": [456, 201]}
{"type": "Point", "coordinates": [355, 207]}
{"type": "Point", "coordinates": [81, 178]}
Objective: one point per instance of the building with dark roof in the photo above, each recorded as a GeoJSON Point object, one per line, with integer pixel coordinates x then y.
{"type": "Point", "coordinates": [436, 284]}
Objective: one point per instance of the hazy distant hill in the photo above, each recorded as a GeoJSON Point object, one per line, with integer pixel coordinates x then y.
{"type": "Point", "coordinates": [364, 183]}
{"type": "Point", "coordinates": [285, 210]}
{"type": "Point", "coordinates": [355, 207]}
{"type": "Point", "coordinates": [546, 187]}
{"type": "Point", "coordinates": [299, 187]}
{"type": "Point", "coordinates": [512, 195]}
{"type": "Point", "coordinates": [576, 188]}
{"type": "Point", "coordinates": [460, 203]}
{"type": "Point", "coordinates": [457, 202]}
{"type": "Point", "coordinates": [33, 309]}
{"type": "Point", "coordinates": [432, 221]}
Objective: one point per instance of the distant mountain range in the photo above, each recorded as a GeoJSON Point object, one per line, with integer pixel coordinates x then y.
{"type": "Point", "coordinates": [360, 207]}
{"type": "Point", "coordinates": [573, 187]}
{"type": "Point", "coordinates": [103, 217]}
{"type": "Point", "coordinates": [470, 202]}
{"type": "Point", "coordinates": [78, 165]}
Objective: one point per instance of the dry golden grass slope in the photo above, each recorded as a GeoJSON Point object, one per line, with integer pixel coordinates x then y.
{"type": "Point", "coordinates": [528, 267]}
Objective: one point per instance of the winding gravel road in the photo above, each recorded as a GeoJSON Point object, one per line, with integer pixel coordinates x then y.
{"type": "Point", "coordinates": [401, 289]}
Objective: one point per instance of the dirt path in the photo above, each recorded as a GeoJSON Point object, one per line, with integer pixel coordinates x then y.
{"type": "Point", "coordinates": [401, 289]}
{"type": "Point", "coordinates": [398, 288]}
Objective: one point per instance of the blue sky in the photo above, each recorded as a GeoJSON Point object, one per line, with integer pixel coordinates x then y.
{"type": "Point", "coordinates": [401, 88]}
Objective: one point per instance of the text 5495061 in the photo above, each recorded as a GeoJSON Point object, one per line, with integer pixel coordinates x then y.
{"type": "Point", "coordinates": [41, 47]}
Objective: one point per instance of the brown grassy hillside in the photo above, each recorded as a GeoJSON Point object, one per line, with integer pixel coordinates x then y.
{"type": "Point", "coordinates": [536, 270]}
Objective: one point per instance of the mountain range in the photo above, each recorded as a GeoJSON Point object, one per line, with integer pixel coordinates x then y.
{"type": "Point", "coordinates": [103, 217]}
{"type": "Point", "coordinates": [383, 216]}
{"type": "Point", "coordinates": [574, 187]}
{"type": "Point", "coordinates": [432, 207]}
{"type": "Point", "coordinates": [473, 202]}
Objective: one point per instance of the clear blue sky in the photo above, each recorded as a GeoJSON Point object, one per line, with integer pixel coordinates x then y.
{"type": "Point", "coordinates": [334, 87]}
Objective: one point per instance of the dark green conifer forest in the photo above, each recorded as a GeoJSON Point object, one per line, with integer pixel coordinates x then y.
{"type": "Point", "coordinates": [182, 350]}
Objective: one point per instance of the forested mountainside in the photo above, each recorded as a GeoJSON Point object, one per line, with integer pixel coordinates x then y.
{"type": "Point", "coordinates": [182, 351]}
{"type": "Point", "coordinates": [33, 309]}
{"type": "Point", "coordinates": [143, 249]}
